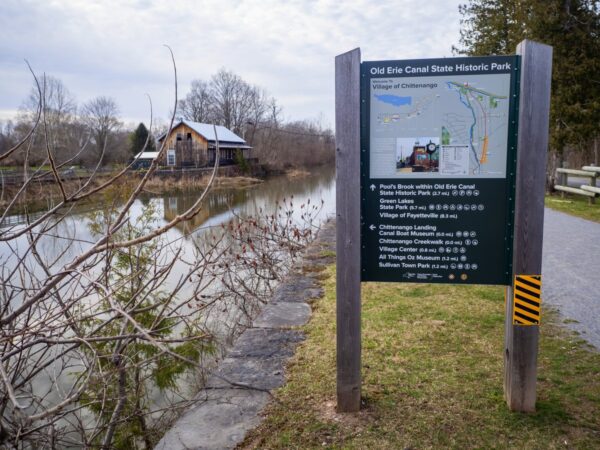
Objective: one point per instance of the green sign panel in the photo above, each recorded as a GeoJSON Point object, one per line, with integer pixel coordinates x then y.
{"type": "Point", "coordinates": [438, 169]}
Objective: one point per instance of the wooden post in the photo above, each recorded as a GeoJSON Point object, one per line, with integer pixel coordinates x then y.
{"type": "Point", "coordinates": [347, 162]}
{"type": "Point", "coordinates": [521, 342]}
{"type": "Point", "coordinates": [592, 200]}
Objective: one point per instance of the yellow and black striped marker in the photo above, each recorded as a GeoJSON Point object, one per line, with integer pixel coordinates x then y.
{"type": "Point", "coordinates": [527, 299]}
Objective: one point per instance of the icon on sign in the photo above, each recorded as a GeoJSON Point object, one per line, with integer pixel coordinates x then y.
{"type": "Point", "coordinates": [459, 234]}
{"type": "Point", "coordinates": [431, 207]}
{"type": "Point", "coordinates": [463, 258]}
{"type": "Point", "coordinates": [459, 207]}
{"type": "Point", "coordinates": [463, 276]}
{"type": "Point", "coordinates": [451, 276]}
{"type": "Point", "coordinates": [460, 266]}
{"type": "Point", "coordinates": [445, 207]}
{"type": "Point", "coordinates": [461, 193]}
{"type": "Point", "coordinates": [467, 241]}
{"type": "Point", "coordinates": [480, 207]}
{"type": "Point", "coordinates": [474, 266]}
{"type": "Point", "coordinates": [453, 266]}
{"type": "Point", "coordinates": [475, 192]}
{"type": "Point", "coordinates": [372, 227]}
{"type": "Point", "coordinates": [455, 193]}
{"type": "Point", "coordinates": [452, 207]}
{"type": "Point", "coordinates": [373, 187]}
{"type": "Point", "coordinates": [467, 266]}
{"type": "Point", "coordinates": [469, 193]}
{"type": "Point", "coordinates": [473, 234]}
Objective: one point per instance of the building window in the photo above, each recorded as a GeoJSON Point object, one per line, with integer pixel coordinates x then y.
{"type": "Point", "coordinates": [189, 136]}
{"type": "Point", "coordinates": [170, 157]}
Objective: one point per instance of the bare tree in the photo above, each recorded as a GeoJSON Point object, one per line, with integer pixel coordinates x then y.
{"type": "Point", "coordinates": [60, 125]}
{"type": "Point", "coordinates": [7, 135]}
{"type": "Point", "coordinates": [101, 116]}
{"type": "Point", "coordinates": [235, 102]}
{"type": "Point", "coordinates": [98, 329]}
{"type": "Point", "coordinates": [197, 104]}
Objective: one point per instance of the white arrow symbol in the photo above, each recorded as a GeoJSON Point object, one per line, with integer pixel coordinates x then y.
{"type": "Point", "coordinates": [372, 227]}
{"type": "Point", "coordinates": [373, 187]}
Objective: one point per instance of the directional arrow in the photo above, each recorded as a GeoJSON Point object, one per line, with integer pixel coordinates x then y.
{"type": "Point", "coordinates": [373, 187]}
{"type": "Point", "coordinates": [372, 227]}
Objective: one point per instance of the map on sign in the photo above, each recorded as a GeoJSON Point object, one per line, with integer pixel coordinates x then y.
{"type": "Point", "coordinates": [439, 126]}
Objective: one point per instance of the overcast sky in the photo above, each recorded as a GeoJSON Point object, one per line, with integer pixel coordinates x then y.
{"type": "Point", "coordinates": [115, 47]}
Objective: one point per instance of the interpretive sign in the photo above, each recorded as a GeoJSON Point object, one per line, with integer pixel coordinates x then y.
{"type": "Point", "coordinates": [438, 156]}
{"type": "Point", "coordinates": [449, 192]}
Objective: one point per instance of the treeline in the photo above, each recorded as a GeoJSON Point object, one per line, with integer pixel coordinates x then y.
{"type": "Point", "coordinates": [85, 134]}
{"type": "Point", "coordinates": [93, 133]}
{"type": "Point", "coordinates": [227, 100]}
{"type": "Point", "coordinates": [572, 28]}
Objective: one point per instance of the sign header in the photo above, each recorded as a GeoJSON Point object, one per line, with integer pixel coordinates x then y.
{"type": "Point", "coordinates": [450, 66]}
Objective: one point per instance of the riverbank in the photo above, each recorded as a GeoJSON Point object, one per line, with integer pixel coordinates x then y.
{"type": "Point", "coordinates": [41, 195]}
{"type": "Point", "coordinates": [432, 372]}
{"type": "Point", "coordinates": [230, 403]}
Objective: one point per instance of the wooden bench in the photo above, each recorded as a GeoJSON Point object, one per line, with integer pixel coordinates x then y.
{"type": "Point", "coordinates": [591, 191]}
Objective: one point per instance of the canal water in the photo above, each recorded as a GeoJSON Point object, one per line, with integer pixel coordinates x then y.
{"type": "Point", "coordinates": [73, 234]}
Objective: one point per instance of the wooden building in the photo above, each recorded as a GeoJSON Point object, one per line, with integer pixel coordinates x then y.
{"type": "Point", "coordinates": [193, 144]}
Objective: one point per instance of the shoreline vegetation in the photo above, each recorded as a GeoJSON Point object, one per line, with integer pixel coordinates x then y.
{"type": "Point", "coordinates": [40, 195]}
{"type": "Point", "coordinates": [432, 377]}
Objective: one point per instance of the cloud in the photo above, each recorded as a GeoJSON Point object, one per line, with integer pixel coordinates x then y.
{"type": "Point", "coordinates": [115, 48]}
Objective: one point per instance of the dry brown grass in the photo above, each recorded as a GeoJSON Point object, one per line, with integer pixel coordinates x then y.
{"type": "Point", "coordinates": [297, 173]}
{"type": "Point", "coordinates": [38, 195]}
{"type": "Point", "coordinates": [165, 184]}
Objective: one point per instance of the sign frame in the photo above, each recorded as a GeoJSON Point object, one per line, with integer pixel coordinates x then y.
{"type": "Point", "coordinates": [368, 250]}
{"type": "Point", "coordinates": [520, 342]}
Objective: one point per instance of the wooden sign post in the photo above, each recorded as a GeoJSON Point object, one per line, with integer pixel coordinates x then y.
{"type": "Point", "coordinates": [521, 341]}
{"type": "Point", "coordinates": [347, 164]}
{"type": "Point", "coordinates": [420, 200]}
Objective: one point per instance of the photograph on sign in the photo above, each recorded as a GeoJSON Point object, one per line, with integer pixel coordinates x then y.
{"type": "Point", "coordinates": [417, 154]}
{"type": "Point", "coordinates": [442, 126]}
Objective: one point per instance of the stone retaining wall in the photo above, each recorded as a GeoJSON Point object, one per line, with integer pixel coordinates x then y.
{"type": "Point", "coordinates": [238, 390]}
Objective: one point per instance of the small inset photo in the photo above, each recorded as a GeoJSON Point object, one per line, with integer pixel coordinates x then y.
{"type": "Point", "coordinates": [417, 154]}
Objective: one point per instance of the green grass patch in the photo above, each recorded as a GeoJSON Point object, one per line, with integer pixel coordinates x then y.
{"type": "Point", "coordinates": [575, 205]}
{"type": "Point", "coordinates": [432, 370]}
{"type": "Point", "coordinates": [327, 254]}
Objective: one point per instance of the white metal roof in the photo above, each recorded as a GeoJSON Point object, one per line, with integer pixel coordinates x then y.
{"type": "Point", "coordinates": [147, 155]}
{"type": "Point", "coordinates": [207, 130]}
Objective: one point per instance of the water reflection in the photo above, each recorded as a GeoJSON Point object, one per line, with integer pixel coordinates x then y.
{"type": "Point", "coordinates": [63, 240]}
{"type": "Point", "coordinates": [218, 202]}
{"type": "Point", "coordinates": [222, 204]}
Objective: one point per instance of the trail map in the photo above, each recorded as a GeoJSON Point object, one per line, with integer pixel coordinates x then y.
{"type": "Point", "coordinates": [439, 126]}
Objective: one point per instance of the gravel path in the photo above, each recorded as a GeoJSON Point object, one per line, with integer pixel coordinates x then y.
{"type": "Point", "coordinates": [571, 272]}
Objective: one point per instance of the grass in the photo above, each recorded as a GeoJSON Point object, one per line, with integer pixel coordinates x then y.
{"type": "Point", "coordinates": [575, 205]}
{"type": "Point", "coordinates": [432, 378]}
